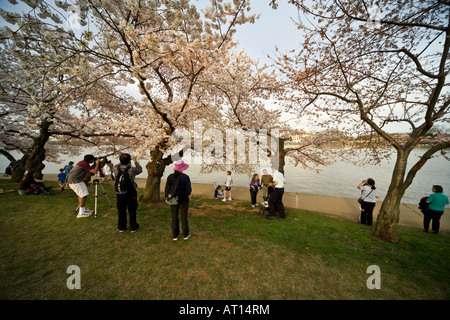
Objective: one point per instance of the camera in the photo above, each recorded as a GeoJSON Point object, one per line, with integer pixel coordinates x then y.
{"type": "Point", "coordinates": [103, 161]}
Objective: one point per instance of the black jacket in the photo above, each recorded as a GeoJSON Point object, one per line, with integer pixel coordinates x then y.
{"type": "Point", "coordinates": [184, 185]}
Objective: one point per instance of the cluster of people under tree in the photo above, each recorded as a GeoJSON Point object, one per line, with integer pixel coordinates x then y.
{"type": "Point", "coordinates": [178, 189]}
{"type": "Point", "coordinates": [432, 206]}
{"type": "Point", "coordinates": [273, 190]}
{"type": "Point", "coordinates": [30, 185]}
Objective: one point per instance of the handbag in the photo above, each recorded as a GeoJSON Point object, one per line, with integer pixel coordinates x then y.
{"type": "Point", "coordinates": [360, 199]}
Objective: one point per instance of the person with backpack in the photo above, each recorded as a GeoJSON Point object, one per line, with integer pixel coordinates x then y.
{"type": "Point", "coordinates": [177, 191]}
{"type": "Point", "coordinates": [125, 188]}
{"type": "Point", "coordinates": [436, 206]}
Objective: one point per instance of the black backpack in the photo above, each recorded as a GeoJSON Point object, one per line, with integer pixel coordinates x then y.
{"type": "Point", "coordinates": [423, 205]}
{"type": "Point", "coordinates": [123, 182]}
{"type": "Point", "coordinates": [171, 190]}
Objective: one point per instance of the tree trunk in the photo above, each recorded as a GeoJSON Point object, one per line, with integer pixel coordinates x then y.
{"type": "Point", "coordinates": [281, 156]}
{"type": "Point", "coordinates": [155, 169]}
{"type": "Point", "coordinates": [278, 158]}
{"type": "Point", "coordinates": [17, 166]}
{"type": "Point", "coordinates": [36, 157]}
{"type": "Point", "coordinates": [18, 169]}
{"type": "Point", "coordinates": [388, 217]}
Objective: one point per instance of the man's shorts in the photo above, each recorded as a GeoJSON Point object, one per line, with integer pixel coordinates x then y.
{"type": "Point", "coordinates": [80, 189]}
{"type": "Point", "coordinates": [227, 188]}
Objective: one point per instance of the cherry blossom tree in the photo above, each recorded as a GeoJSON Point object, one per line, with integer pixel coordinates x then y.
{"type": "Point", "coordinates": [165, 49]}
{"type": "Point", "coordinates": [254, 102]}
{"type": "Point", "coordinates": [42, 90]}
{"type": "Point", "coordinates": [364, 68]}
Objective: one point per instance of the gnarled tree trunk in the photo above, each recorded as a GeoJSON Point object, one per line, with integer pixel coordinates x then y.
{"type": "Point", "coordinates": [36, 157]}
{"type": "Point", "coordinates": [155, 169]}
{"type": "Point", "coordinates": [388, 217]}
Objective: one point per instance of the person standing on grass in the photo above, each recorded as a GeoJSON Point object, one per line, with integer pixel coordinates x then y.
{"type": "Point", "coordinates": [126, 191]}
{"type": "Point", "coordinates": [75, 179]}
{"type": "Point", "coordinates": [62, 176]}
{"type": "Point", "coordinates": [183, 191]}
{"type": "Point", "coordinates": [228, 184]}
{"type": "Point", "coordinates": [254, 188]}
{"type": "Point", "coordinates": [369, 197]}
{"type": "Point", "coordinates": [67, 169]}
{"type": "Point", "coordinates": [276, 197]}
{"type": "Point", "coordinates": [107, 172]}
{"type": "Point", "coordinates": [266, 181]}
{"type": "Point", "coordinates": [436, 206]}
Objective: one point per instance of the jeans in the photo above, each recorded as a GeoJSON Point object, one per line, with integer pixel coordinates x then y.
{"type": "Point", "coordinates": [253, 193]}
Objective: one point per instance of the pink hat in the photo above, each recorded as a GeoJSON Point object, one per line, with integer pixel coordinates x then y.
{"type": "Point", "coordinates": [180, 166]}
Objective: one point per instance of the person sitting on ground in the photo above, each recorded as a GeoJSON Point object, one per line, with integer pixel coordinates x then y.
{"type": "Point", "coordinates": [218, 192]}
{"type": "Point", "coordinates": [29, 185]}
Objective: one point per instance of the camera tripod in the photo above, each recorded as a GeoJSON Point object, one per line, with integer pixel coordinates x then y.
{"type": "Point", "coordinates": [97, 182]}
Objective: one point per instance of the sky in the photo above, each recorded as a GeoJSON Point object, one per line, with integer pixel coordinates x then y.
{"type": "Point", "coordinates": [274, 28]}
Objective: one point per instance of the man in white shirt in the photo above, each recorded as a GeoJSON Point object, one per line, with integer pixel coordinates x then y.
{"type": "Point", "coordinates": [276, 197]}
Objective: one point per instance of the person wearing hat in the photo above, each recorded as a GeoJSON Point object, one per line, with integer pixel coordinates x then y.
{"type": "Point", "coordinates": [183, 192]}
{"type": "Point", "coordinates": [75, 179]}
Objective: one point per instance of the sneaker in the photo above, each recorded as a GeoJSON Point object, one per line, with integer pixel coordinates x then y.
{"type": "Point", "coordinates": [85, 214]}
{"type": "Point", "coordinates": [224, 200]}
{"type": "Point", "coordinates": [121, 231]}
{"type": "Point", "coordinates": [188, 236]}
{"type": "Point", "coordinates": [133, 231]}
{"type": "Point", "coordinates": [175, 239]}
{"type": "Point", "coordinates": [253, 206]}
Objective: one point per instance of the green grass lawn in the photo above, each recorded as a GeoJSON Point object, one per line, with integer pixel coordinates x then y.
{"type": "Point", "coordinates": [233, 254]}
